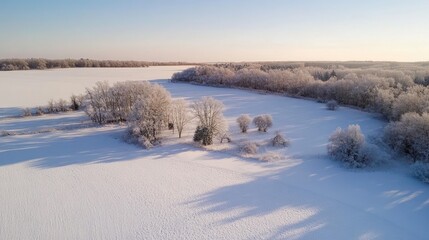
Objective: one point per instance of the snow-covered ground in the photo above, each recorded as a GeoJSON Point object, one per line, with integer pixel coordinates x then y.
{"type": "Point", "coordinates": [86, 183]}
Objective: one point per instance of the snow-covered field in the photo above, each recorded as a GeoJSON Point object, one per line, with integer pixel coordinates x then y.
{"type": "Point", "coordinates": [86, 183]}
{"type": "Point", "coordinates": [34, 87]}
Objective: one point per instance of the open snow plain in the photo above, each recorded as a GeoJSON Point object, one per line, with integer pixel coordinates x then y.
{"type": "Point", "coordinates": [86, 183]}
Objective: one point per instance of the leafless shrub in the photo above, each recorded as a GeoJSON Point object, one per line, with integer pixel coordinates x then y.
{"type": "Point", "coordinates": [280, 141]}
{"type": "Point", "coordinates": [62, 106]}
{"type": "Point", "coordinates": [250, 148]}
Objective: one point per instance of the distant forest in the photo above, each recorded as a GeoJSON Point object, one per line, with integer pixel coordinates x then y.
{"type": "Point", "coordinates": [41, 63]}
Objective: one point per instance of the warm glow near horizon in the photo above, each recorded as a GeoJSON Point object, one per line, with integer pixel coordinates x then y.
{"type": "Point", "coordinates": [209, 31]}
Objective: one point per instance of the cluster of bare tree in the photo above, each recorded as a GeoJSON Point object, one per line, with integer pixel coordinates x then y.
{"type": "Point", "coordinates": [144, 106]}
{"type": "Point", "coordinates": [148, 109]}
{"type": "Point", "coordinates": [40, 63]}
{"type": "Point", "coordinates": [392, 89]}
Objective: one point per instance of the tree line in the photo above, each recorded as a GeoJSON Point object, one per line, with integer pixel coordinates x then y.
{"type": "Point", "coordinates": [41, 63]}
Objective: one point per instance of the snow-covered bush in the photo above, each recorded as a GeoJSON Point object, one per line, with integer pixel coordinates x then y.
{"type": "Point", "coordinates": [348, 147]}
{"type": "Point", "coordinates": [244, 121]}
{"type": "Point", "coordinates": [410, 136]}
{"type": "Point", "coordinates": [250, 148]}
{"type": "Point", "coordinates": [421, 171]}
{"type": "Point", "coordinates": [26, 112]}
{"type": "Point", "coordinates": [263, 122]}
{"type": "Point", "coordinates": [332, 105]}
{"type": "Point", "coordinates": [280, 141]}
{"type": "Point", "coordinates": [209, 112]}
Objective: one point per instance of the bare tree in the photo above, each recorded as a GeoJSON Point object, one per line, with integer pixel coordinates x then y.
{"type": "Point", "coordinates": [98, 98]}
{"type": "Point", "coordinates": [209, 112]}
{"type": "Point", "coordinates": [180, 115]}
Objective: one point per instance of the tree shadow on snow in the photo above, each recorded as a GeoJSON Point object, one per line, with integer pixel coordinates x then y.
{"type": "Point", "coordinates": [319, 203]}
{"type": "Point", "coordinates": [68, 147]}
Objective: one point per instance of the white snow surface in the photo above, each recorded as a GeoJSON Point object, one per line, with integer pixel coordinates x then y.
{"type": "Point", "coordinates": [86, 183]}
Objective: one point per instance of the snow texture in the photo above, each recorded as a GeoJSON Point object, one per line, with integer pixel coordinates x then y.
{"type": "Point", "coordinates": [87, 183]}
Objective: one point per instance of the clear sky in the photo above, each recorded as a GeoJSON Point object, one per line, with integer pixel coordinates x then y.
{"type": "Point", "coordinates": [216, 30]}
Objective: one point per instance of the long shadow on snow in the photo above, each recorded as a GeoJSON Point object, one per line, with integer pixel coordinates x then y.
{"type": "Point", "coordinates": [37, 123]}
{"type": "Point", "coordinates": [102, 145]}
{"type": "Point", "coordinates": [318, 201]}
{"type": "Point", "coordinates": [67, 147]}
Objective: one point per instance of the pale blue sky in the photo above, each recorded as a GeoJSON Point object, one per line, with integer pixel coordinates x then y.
{"type": "Point", "coordinates": [218, 30]}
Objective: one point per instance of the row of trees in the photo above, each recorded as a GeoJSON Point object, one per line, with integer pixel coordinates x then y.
{"type": "Point", "coordinates": [41, 63]}
{"type": "Point", "coordinates": [391, 93]}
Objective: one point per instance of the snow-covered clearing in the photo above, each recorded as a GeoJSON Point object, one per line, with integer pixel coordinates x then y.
{"type": "Point", "coordinates": [86, 183]}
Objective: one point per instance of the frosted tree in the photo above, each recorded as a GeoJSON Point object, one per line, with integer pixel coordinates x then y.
{"type": "Point", "coordinates": [98, 98]}
{"type": "Point", "coordinates": [263, 122]}
{"type": "Point", "coordinates": [410, 135]}
{"type": "Point", "coordinates": [150, 114]}
{"type": "Point", "coordinates": [180, 115]}
{"type": "Point", "coordinates": [209, 112]}
{"type": "Point", "coordinates": [244, 121]}
{"type": "Point", "coordinates": [348, 146]}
